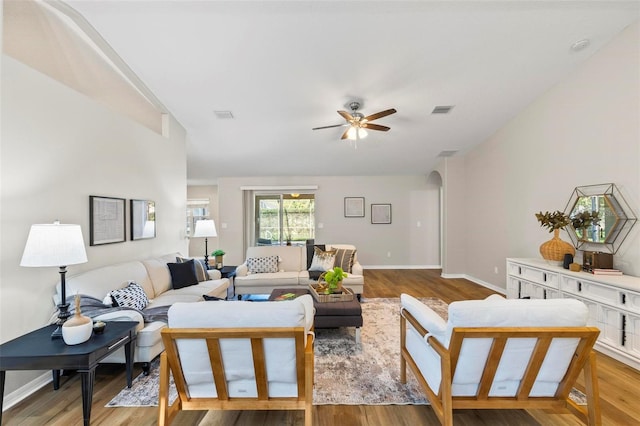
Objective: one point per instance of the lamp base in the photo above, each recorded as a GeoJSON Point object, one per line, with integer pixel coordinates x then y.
{"type": "Point", "coordinates": [57, 333]}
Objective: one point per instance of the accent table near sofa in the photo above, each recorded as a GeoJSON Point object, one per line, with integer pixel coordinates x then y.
{"type": "Point", "coordinates": [330, 314]}
{"type": "Point", "coordinates": [38, 351]}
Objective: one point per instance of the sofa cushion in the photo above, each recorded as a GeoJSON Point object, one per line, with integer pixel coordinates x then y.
{"type": "Point", "coordinates": [322, 260]}
{"type": "Point", "coordinates": [344, 259]}
{"type": "Point", "coordinates": [261, 265]}
{"type": "Point", "coordinates": [290, 257]}
{"type": "Point", "coordinates": [183, 274]}
{"type": "Point", "coordinates": [131, 296]}
{"type": "Point", "coordinates": [201, 270]}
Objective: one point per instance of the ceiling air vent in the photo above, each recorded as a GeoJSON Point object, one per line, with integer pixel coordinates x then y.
{"type": "Point", "coordinates": [442, 109]}
{"type": "Point", "coordinates": [223, 115]}
{"type": "Point", "coordinates": [447, 153]}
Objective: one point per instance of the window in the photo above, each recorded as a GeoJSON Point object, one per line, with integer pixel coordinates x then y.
{"type": "Point", "coordinates": [197, 209]}
{"type": "Point", "coordinates": [284, 218]}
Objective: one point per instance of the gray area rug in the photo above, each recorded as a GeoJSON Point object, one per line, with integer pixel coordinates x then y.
{"type": "Point", "coordinates": [345, 373]}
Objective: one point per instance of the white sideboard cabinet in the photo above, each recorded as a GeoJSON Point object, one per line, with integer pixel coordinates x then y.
{"type": "Point", "coordinates": [613, 301]}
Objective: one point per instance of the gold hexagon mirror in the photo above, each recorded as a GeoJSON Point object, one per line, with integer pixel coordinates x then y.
{"type": "Point", "coordinates": [601, 219]}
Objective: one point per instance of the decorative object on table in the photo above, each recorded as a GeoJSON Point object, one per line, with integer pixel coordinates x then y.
{"type": "Point", "coordinates": [575, 267]}
{"type": "Point", "coordinates": [143, 219]}
{"type": "Point", "coordinates": [353, 206]}
{"type": "Point", "coordinates": [330, 282]}
{"type": "Point", "coordinates": [568, 260]}
{"type": "Point", "coordinates": [205, 228]}
{"type": "Point", "coordinates": [320, 296]}
{"type": "Point", "coordinates": [596, 260]}
{"type": "Point", "coordinates": [218, 258]}
{"type": "Point", "coordinates": [99, 326]}
{"type": "Point", "coordinates": [381, 213]}
{"type": "Point", "coordinates": [555, 249]}
{"type": "Point", "coordinates": [58, 245]}
{"type": "Point", "coordinates": [615, 218]}
{"type": "Point", "coordinates": [106, 220]}
{"type": "Point", "coordinates": [78, 328]}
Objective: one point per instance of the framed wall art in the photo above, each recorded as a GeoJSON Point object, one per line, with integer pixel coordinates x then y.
{"type": "Point", "coordinates": [380, 213]}
{"type": "Point", "coordinates": [353, 206]}
{"type": "Point", "coordinates": [106, 220]}
{"type": "Point", "coordinates": [143, 219]}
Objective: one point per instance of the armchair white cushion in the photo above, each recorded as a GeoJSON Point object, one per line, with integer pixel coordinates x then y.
{"type": "Point", "coordinates": [523, 325]}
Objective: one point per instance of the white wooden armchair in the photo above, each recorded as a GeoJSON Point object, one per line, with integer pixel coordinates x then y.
{"type": "Point", "coordinates": [238, 356]}
{"type": "Point", "coordinates": [501, 354]}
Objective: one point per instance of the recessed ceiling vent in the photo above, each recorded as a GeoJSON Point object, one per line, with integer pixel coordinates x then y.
{"type": "Point", "coordinates": [223, 115]}
{"type": "Point", "coordinates": [448, 153]}
{"type": "Point", "coordinates": [442, 109]}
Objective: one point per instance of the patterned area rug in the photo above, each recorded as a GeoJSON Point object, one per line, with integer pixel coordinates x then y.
{"type": "Point", "coordinates": [345, 373]}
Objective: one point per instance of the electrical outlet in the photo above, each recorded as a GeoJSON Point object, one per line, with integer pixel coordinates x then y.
{"type": "Point", "coordinates": [495, 269]}
{"type": "Point", "coordinates": [419, 224]}
{"type": "Point", "coordinates": [388, 254]}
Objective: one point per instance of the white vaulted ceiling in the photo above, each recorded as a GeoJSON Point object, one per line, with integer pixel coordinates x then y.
{"type": "Point", "coordinates": [284, 67]}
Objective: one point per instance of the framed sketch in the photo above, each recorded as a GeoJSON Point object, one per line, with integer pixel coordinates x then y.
{"type": "Point", "coordinates": [143, 219]}
{"type": "Point", "coordinates": [106, 220]}
{"type": "Point", "coordinates": [353, 206]}
{"type": "Point", "coordinates": [380, 213]}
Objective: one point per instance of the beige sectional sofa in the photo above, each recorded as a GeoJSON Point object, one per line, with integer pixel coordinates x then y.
{"type": "Point", "coordinates": [154, 277]}
{"type": "Point", "coordinates": [292, 270]}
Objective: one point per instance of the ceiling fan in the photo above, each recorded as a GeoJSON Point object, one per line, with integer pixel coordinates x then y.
{"type": "Point", "coordinates": [358, 123]}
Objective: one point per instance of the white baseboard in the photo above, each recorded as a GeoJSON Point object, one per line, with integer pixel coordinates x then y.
{"type": "Point", "coordinates": [25, 390]}
{"type": "Point", "coordinates": [485, 284]}
{"type": "Point", "coordinates": [401, 266]}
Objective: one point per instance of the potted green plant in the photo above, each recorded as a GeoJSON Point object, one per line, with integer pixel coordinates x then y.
{"type": "Point", "coordinates": [218, 255]}
{"type": "Point", "coordinates": [555, 249]}
{"type": "Point", "coordinates": [333, 278]}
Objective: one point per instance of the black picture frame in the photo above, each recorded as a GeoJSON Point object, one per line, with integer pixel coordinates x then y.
{"type": "Point", "coordinates": [142, 219]}
{"type": "Point", "coordinates": [380, 214]}
{"type": "Point", "coordinates": [353, 206]}
{"type": "Point", "coordinates": [107, 217]}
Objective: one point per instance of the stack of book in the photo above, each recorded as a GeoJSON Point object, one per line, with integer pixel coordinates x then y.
{"type": "Point", "coordinates": [601, 271]}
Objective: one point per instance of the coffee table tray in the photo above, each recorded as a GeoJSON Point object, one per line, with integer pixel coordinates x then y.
{"type": "Point", "coordinates": [346, 296]}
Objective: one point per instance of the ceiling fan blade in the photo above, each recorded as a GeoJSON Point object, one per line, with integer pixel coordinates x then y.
{"type": "Point", "coordinates": [329, 127]}
{"type": "Point", "coordinates": [380, 114]}
{"type": "Point", "coordinates": [344, 135]}
{"type": "Point", "coordinates": [346, 115]}
{"type": "Point", "coordinates": [371, 126]}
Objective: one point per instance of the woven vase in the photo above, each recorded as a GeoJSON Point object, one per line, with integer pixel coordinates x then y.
{"type": "Point", "coordinates": [555, 249]}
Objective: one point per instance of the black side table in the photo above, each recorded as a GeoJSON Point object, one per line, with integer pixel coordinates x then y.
{"type": "Point", "coordinates": [38, 351]}
{"type": "Point", "coordinates": [229, 272]}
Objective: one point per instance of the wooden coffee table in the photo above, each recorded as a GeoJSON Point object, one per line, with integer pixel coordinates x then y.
{"type": "Point", "coordinates": [330, 314]}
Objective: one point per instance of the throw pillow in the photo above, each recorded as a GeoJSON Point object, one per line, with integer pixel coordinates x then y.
{"type": "Point", "coordinates": [201, 270]}
{"type": "Point", "coordinates": [344, 259]}
{"type": "Point", "coordinates": [131, 296]}
{"type": "Point", "coordinates": [310, 251]}
{"type": "Point", "coordinates": [183, 274]}
{"type": "Point", "coordinates": [211, 298]}
{"type": "Point", "coordinates": [322, 260]}
{"type": "Point", "coordinates": [262, 265]}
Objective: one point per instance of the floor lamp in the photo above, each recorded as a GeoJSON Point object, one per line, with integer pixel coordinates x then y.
{"type": "Point", "coordinates": [58, 245]}
{"type": "Point", "coordinates": [205, 228]}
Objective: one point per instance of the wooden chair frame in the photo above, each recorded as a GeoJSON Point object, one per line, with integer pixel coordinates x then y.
{"type": "Point", "coordinates": [170, 362]}
{"type": "Point", "coordinates": [444, 402]}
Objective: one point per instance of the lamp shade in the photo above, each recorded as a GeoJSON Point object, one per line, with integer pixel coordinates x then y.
{"type": "Point", "coordinates": [205, 228]}
{"type": "Point", "coordinates": [54, 244]}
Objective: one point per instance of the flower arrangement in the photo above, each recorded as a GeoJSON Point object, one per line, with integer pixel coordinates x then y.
{"type": "Point", "coordinates": [553, 221]}
{"type": "Point", "coordinates": [218, 252]}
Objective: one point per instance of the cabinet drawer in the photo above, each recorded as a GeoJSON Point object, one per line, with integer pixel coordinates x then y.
{"type": "Point", "coordinates": [591, 290]}
{"type": "Point", "coordinates": [535, 275]}
{"type": "Point", "coordinates": [630, 301]}
{"type": "Point", "coordinates": [632, 335]}
{"type": "Point", "coordinates": [513, 288]}
{"type": "Point", "coordinates": [610, 323]}
{"type": "Point", "coordinates": [592, 319]}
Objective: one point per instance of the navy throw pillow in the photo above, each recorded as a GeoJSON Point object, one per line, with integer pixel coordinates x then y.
{"type": "Point", "coordinates": [183, 274]}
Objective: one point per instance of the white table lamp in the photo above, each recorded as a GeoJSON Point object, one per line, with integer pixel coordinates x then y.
{"type": "Point", "coordinates": [58, 245]}
{"type": "Point", "coordinates": [205, 228]}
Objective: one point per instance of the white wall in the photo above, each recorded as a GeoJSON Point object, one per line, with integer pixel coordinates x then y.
{"type": "Point", "coordinates": [584, 131]}
{"type": "Point", "coordinates": [58, 147]}
{"type": "Point", "coordinates": [412, 200]}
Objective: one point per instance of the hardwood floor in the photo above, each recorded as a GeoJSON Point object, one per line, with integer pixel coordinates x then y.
{"type": "Point", "coordinates": [619, 385]}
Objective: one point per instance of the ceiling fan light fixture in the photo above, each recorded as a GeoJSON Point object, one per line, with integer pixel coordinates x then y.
{"type": "Point", "coordinates": [356, 133]}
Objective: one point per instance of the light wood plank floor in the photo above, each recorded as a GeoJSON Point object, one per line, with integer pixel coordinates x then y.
{"type": "Point", "coordinates": [619, 385]}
